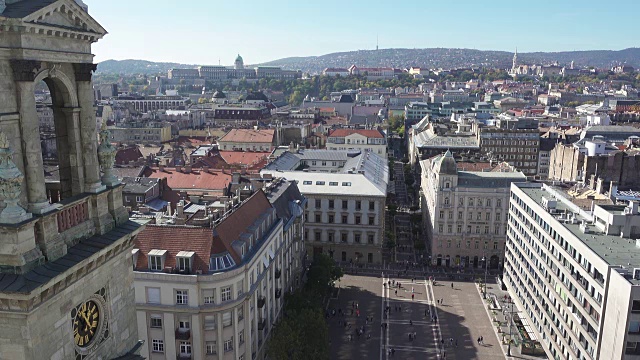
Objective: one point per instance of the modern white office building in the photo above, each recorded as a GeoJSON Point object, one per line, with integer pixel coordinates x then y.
{"type": "Point", "coordinates": [573, 270]}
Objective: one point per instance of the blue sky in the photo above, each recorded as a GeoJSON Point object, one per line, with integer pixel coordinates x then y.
{"type": "Point", "coordinates": [206, 31]}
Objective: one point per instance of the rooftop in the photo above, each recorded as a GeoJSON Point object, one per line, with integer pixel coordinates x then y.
{"type": "Point", "coordinates": [249, 136]}
{"type": "Point", "coordinates": [614, 250]}
{"type": "Point", "coordinates": [368, 133]}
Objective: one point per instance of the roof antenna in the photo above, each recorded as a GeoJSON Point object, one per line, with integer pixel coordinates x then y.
{"type": "Point", "coordinates": [376, 42]}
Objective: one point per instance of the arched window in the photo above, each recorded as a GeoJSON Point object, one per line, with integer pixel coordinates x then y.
{"type": "Point", "coordinates": [447, 185]}
{"type": "Point", "coordinates": [446, 201]}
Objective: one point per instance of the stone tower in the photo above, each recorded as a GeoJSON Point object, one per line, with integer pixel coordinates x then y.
{"type": "Point", "coordinates": [239, 63]}
{"type": "Point", "coordinates": [66, 281]}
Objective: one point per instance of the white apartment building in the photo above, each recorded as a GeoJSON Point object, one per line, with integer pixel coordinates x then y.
{"type": "Point", "coordinates": [215, 291]}
{"type": "Point", "coordinates": [465, 212]}
{"type": "Point", "coordinates": [573, 271]}
{"type": "Point", "coordinates": [373, 140]}
{"type": "Point", "coordinates": [346, 193]}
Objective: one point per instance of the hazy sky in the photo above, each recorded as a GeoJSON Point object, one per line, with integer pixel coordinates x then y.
{"type": "Point", "coordinates": [206, 31]}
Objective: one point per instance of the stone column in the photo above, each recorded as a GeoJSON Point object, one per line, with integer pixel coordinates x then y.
{"type": "Point", "coordinates": [88, 127]}
{"type": "Point", "coordinates": [24, 77]}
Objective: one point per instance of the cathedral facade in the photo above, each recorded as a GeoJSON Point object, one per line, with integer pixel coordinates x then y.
{"type": "Point", "coordinates": [66, 280]}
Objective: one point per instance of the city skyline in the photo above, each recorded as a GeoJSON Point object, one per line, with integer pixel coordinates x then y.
{"type": "Point", "coordinates": [223, 36]}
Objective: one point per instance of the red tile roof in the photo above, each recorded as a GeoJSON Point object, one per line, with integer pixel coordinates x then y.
{"type": "Point", "coordinates": [364, 132]}
{"type": "Point", "coordinates": [127, 155]}
{"type": "Point", "coordinates": [195, 180]}
{"type": "Point", "coordinates": [248, 136]}
{"type": "Point", "coordinates": [175, 239]}
{"type": "Point", "coordinates": [203, 241]}
{"type": "Point", "coordinates": [243, 157]}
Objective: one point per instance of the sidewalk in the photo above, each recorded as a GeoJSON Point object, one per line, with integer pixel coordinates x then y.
{"type": "Point", "coordinates": [503, 318]}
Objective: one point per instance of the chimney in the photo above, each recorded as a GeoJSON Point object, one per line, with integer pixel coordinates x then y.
{"type": "Point", "coordinates": [161, 167]}
{"type": "Point", "coordinates": [205, 168]}
{"type": "Point", "coordinates": [180, 209]}
{"type": "Point", "coordinates": [187, 169]}
{"type": "Point", "coordinates": [235, 178]}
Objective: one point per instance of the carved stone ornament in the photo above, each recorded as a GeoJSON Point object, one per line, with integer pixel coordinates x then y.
{"type": "Point", "coordinates": [107, 156]}
{"type": "Point", "coordinates": [10, 185]}
{"type": "Point", "coordinates": [84, 71]}
{"type": "Point", "coordinates": [25, 70]}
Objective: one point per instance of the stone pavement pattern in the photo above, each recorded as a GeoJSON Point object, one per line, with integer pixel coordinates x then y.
{"type": "Point", "coordinates": [461, 316]}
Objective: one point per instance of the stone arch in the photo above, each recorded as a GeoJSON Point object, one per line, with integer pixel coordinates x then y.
{"type": "Point", "coordinates": [66, 115]}
{"type": "Point", "coordinates": [57, 76]}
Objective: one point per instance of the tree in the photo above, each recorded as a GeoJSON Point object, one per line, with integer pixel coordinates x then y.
{"type": "Point", "coordinates": [322, 274]}
{"type": "Point", "coordinates": [302, 335]}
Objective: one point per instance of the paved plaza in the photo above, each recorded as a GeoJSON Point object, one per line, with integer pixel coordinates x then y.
{"type": "Point", "coordinates": [461, 316]}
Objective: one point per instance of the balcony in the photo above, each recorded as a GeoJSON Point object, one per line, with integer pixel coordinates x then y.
{"type": "Point", "coordinates": [183, 334]}
{"type": "Point", "coordinates": [278, 273]}
{"type": "Point", "coordinates": [183, 356]}
{"type": "Point", "coordinates": [261, 301]}
{"type": "Point", "coordinates": [278, 293]}
{"type": "Point", "coordinates": [262, 323]}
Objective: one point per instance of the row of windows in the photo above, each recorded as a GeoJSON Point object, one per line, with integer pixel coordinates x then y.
{"type": "Point", "coordinates": [498, 229]}
{"type": "Point", "coordinates": [342, 236]}
{"type": "Point", "coordinates": [211, 348]}
{"type": "Point", "coordinates": [487, 216]}
{"type": "Point", "coordinates": [332, 219]}
{"type": "Point", "coordinates": [210, 322]}
{"type": "Point", "coordinates": [208, 295]}
{"type": "Point", "coordinates": [345, 203]}
{"type": "Point", "coordinates": [468, 245]}
{"type": "Point", "coordinates": [472, 201]}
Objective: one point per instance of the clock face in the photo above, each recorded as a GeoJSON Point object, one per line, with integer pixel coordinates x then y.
{"type": "Point", "coordinates": [85, 323]}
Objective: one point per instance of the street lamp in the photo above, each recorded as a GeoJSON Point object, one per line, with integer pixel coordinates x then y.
{"type": "Point", "coordinates": [509, 300]}
{"type": "Point", "coordinates": [484, 294]}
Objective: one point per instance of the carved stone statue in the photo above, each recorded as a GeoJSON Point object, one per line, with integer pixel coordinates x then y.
{"type": "Point", "coordinates": [10, 185]}
{"type": "Point", "coordinates": [107, 156]}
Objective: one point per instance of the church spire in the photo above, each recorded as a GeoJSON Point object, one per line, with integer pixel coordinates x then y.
{"type": "Point", "coordinates": [515, 59]}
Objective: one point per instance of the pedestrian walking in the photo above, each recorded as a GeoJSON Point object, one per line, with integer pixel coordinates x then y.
{"type": "Point", "coordinates": [482, 340]}
{"type": "Point", "coordinates": [452, 285]}
{"type": "Point", "coordinates": [411, 322]}
{"type": "Point", "coordinates": [456, 342]}
{"type": "Point", "coordinates": [412, 296]}
{"type": "Point", "coordinates": [441, 301]}
{"type": "Point", "coordinates": [478, 340]}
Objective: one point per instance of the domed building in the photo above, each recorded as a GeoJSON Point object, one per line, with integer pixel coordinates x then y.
{"type": "Point", "coordinates": [465, 212]}
{"type": "Point", "coordinates": [239, 63]}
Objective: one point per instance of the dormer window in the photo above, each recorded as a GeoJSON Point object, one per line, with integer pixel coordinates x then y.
{"type": "Point", "coordinates": [156, 259]}
{"type": "Point", "coordinates": [184, 261]}
{"type": "Point", "coordinates": [221, 262]}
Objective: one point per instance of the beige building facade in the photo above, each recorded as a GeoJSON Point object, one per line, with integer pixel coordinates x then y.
{"type": "Point", "coordinates": [220, 299]}
{"type": "Point", "coordinates": [465, 213]}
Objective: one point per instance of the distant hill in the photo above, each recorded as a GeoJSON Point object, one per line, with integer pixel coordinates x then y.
{"type": "Point", "coordinates": [457, 58]}
{"type": "Point", "coordinates": [128, 67]}
{"type": "Point", "coordinates": [404, 58]}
